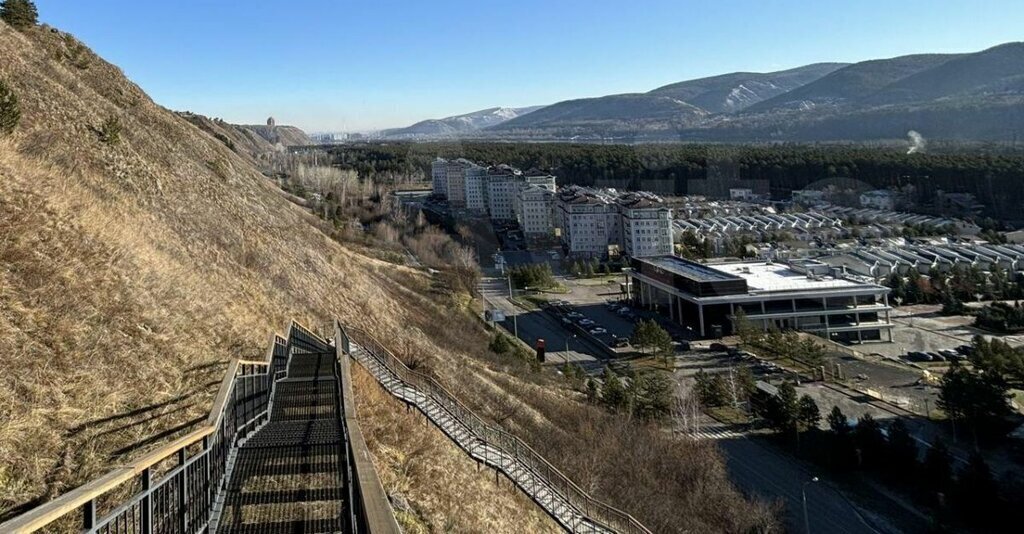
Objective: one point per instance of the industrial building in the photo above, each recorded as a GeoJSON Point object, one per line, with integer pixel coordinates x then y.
{"type": "Point", "coordinates": [804, 295]}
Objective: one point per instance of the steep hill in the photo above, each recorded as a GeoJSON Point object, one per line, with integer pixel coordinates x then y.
{"type": "Point", "coordinates": [133, 266]}
{"type": "Point", "coordinates": [734, 92]}
{"type": "Point", "coordinates": [131, 271]}
{"type": "Point", "coordinates": [605, 116]}
{"type": "Point", "coordinates": [459, 124]}
{"type": "Point", "coordinates": [974, 96]}
{"type": "Point", "coordinates": [852, 83]}
{"type": "Point", "coordinates": [995, 71]}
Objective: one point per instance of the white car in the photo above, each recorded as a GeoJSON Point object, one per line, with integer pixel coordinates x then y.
{"type": "Point", "coordinates": [598, 331]}
{"type": "Point", "coordinates": [586, 322]}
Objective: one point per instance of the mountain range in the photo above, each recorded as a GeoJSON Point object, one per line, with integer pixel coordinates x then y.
{"type": "Point", "coordinates": [459, 124]}
{"type": "Point", "coordinates": [973, 96]}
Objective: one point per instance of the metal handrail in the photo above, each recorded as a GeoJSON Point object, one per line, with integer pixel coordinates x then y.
{"type": "Point", "coordinates": [586, 505]}
{"type": "Point", "coordinates": [241, 400]}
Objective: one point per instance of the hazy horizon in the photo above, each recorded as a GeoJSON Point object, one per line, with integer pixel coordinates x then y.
{"type": "Point", "coordinates": [341, 66]}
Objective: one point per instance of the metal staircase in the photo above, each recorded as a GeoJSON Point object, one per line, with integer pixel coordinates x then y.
{"type": "Point", "coordinates": [572, 508]}
{"type": "Point", "coordinates": [281, 452]}
{"type": "Point", "coordinates": [289, 476]}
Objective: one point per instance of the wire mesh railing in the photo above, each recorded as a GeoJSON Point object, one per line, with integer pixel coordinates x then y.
{"type": "Point", "coordinates": [175, 488]}
{"type": "Point", "coordinates": [575, 508]}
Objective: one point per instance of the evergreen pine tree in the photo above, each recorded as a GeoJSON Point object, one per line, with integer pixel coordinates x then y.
{"type": "Point", "coordinates": [20, 14]}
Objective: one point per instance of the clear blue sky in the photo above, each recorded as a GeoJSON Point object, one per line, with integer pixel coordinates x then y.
{"type": "Point", "coordinates": [343, 66]}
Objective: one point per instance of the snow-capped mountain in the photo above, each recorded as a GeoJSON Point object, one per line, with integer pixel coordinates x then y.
{"type": "Point", "coordinates": [459, 124]}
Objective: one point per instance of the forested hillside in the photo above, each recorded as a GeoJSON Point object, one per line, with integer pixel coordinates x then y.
{"type": "Point", "coordinates": [994, 176]}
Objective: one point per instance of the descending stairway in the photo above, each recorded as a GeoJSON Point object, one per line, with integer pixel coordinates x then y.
{"type": "Point", "coordinates": [549, 492]}
{"type": "Point", "coordinates": [289, 476]}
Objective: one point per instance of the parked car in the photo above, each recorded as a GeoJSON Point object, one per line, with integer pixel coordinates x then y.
{"type": "Point", "coordinates": [586, 322]}
{"type": "Point", "coordinates": [566, 321]}
{"type": "Point", "coordinates": [916, 356]}
{"type": "Point", "coordinates": [598, 331]}
{"type": "Point", "coordinates": [575, 315]}
{"type": "Point", "coordinates": [718, 347]}
{"type": "Point", "coordinates": [620, 342]}
{"type": "Point", "coordinates": [950, 354]}
{"type": "Point", "coordinates": [966, 350]}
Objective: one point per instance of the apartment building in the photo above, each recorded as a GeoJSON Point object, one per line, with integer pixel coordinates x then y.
{"type": "Point", "coordinates": [597, 223]}
{"type": "Point", "coordinates": [646, 225]}
{"type": "Point", "coordinates": [439, 177]}
{"type": "Point", "coordinates": [456, 181]}
{"type": "Point", "coordinates": [535, 211]}
{"type": "Point", "coordinates": [588, 221]}
{"type": "Point", "coordinates": [476, 188]}
{"type": "Point", "coordinates": [502, 187]}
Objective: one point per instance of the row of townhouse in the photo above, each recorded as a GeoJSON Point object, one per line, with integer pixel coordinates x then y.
{"type": "Point", "coordinates": [879, 263]}
{"type": "Point", "coordinates": [598, 223]}
{"type": "Point", "coordinates": [758, 223]}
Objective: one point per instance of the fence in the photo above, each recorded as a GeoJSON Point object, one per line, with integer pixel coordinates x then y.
{"type": "Point", "coordinates": [591, 514]}
{"type": "Point", "coordinates": [183, 497]}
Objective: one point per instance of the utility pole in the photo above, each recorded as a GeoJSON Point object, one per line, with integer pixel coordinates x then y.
{"type": "Point", "coordinates": [515, 311]}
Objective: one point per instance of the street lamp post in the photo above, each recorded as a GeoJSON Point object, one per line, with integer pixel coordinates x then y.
{"type": "Point", "coordinates": [803, 495]}
{"type": "Point", "coordinates": [565, 356]}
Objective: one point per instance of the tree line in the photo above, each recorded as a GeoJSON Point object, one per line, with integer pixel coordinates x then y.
{"type": "Point", "coordinates": [688, 168]}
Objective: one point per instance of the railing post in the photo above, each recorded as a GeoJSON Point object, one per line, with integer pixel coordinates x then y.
{"type": "Point", "coordinates": [182, 493]}
{"type": "Point", "coordinates": [147, 502]}
{"type": "Point", "coordinates": [89, 515]}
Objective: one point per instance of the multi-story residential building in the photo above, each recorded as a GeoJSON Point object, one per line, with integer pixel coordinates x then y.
{"type": "Point", "coordinates": [502, 186]}
{"type": "Point", "coordinates": [439, 177]}
{"type": "Point", "coordinates": [456, 182]}
{"type": "Point", "coordinates": [535, 211]}
{"type": "Point", "coordinates": [596, 223]}
{"type": "Point", "coordinates": [646, 225]}
{"type": "Point", "coordinates": [476, 188]}
{"type": "Point", "coordinates": [587, 219]}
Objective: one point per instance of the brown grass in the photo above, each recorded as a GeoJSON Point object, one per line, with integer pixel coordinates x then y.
{"type": "Point", "coordinates": [418, 463]}
{"type": "Point", "coordinates": [130, 274]}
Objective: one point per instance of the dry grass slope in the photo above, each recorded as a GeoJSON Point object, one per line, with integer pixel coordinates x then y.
{"type": "Point", "coordinates": [130, 273]}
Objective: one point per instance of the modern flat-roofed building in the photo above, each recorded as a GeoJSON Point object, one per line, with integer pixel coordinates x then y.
{"type": "Point", "coordinates": [804, 295]}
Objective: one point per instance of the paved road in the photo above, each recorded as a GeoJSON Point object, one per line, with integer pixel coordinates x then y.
{"type": "Point", "coordinates": [761, 471]}
{"type": "Point", "coordinates": [540, 324]}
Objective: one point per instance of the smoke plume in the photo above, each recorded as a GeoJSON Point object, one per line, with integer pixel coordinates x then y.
{"type": "Point", "coordinates": [917, 142]}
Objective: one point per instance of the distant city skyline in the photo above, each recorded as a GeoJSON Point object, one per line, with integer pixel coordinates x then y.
{"type": "Point", "coordinates": [328, 66]}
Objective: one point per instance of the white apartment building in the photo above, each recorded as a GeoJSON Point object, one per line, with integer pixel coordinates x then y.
{"type": "Point", "coordinates": [456, 181]}
{"type": "Point", "coordinates": [598, 223]}
{"type": "Point", "coordinates": [502, 188]}
{"type": "Point", "coordinates": [646, 225]}
{"type": "Point", "coordinates": [587, 220]}
{"type": "Point", "coordinates": [439, 176]}
{"type": "Point", "coordinates": [535, 211]}
{"type": "Point", "coordinates": [476, 188]}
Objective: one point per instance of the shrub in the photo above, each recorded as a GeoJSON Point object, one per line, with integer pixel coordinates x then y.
{"type": "Point", "coordinates": [10, 112]}
{"type": "Point", "coordinates": [110, 131]}
{"type": "Point", "coordinates": [20, 14]}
